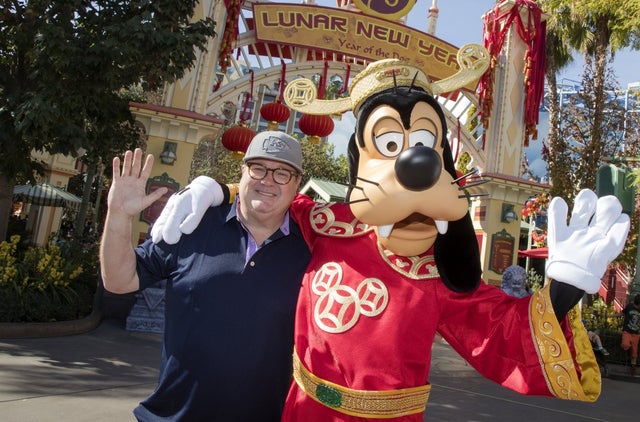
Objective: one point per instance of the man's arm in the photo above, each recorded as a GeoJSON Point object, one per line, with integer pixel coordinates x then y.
{"type": "Point", "coordinates": [127, 198]}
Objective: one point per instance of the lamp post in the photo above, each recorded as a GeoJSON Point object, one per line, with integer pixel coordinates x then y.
{"type": "Point", "coordinates": [168, 155]}
{"type": "Point", "coordinates": [532, 227]}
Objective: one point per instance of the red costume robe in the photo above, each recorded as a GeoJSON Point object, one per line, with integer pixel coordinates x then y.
{"type": "Point", "coordinates": [366, 320]}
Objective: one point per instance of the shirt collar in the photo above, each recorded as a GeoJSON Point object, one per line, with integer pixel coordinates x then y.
{"type": "Point", "coordinates": [233, 213]}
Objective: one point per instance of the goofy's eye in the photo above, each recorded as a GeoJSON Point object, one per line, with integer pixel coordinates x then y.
{"type": "Point", "coordinates": [422, 138]}
{"type": "Point", "coordinates": [389, 144]}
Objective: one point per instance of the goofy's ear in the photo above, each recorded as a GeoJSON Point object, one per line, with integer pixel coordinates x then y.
{"type": "Point", "coordinates": [354, 158]}
{"type": "Point", "coordinates": [458, 257]}
{"type": "Point", "coordinates": [456, 252]}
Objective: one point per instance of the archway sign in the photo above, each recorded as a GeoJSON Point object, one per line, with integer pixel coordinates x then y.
{"type": "Point", "coordinates": [355, 34]}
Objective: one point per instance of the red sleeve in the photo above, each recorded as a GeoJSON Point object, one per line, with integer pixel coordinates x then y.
{"type": "Point", "coordinates": [519, 343]}
{"type": "Point", "coordinates": [300, 211]}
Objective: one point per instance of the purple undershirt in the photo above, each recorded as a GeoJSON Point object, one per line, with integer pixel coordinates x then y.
{"type": "Point", "coordinates": [252, 246]}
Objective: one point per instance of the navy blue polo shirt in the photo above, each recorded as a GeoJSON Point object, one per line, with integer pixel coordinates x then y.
{"type": "Point", "coordinates": [228, 333]}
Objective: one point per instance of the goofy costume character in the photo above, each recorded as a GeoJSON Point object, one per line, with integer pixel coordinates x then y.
{"type": "Point", "coordinates": [399, 262]}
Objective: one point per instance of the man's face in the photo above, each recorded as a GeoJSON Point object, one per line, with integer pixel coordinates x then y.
{"type": "Point", "coordinates": [265, 198]}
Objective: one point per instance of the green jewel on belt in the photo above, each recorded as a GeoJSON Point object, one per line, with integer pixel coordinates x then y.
{"type": "Point", "coordinates": [328, 395]}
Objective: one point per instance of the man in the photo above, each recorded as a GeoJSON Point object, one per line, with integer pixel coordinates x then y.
{"type": "Point", "coordinates": [232, 287]}
{"type": "Point", "coordinates": [631, 330]}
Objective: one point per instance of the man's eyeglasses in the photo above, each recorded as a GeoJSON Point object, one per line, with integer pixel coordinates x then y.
{"type": "Point", "coordinates": [280, 176]}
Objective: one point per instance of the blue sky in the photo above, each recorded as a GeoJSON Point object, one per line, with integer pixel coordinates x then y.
{"type": "Point", "coordinates": [459, 28]}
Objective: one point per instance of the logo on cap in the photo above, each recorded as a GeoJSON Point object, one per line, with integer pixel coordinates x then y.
{"type": "Point", "coordinates": [274, 145]}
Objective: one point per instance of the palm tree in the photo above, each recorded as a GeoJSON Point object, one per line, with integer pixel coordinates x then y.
{"type": "Point", "coordinates": [557, 57]}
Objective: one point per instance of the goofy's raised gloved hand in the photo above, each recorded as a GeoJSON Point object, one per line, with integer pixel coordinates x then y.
{"type": "Point", "coordinates": [185, 209]}
{"type": "Point", "coordinates": [580, 252]}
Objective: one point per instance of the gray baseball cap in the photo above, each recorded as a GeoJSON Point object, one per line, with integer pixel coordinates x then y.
{"type": "Point", "coordinates": [277, 146]}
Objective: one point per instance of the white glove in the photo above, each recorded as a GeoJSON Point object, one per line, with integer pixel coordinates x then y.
{"type": "Point", "coordinates": [580, 252]}
{"type": "Point", "coordinates": [185, 209]}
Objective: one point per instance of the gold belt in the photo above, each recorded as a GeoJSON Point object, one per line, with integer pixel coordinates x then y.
{"type": "Point", "coordinates": [361, 403]}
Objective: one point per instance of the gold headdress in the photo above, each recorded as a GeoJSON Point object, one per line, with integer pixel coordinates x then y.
{"type": "Point", "coordinates": [301, 94]}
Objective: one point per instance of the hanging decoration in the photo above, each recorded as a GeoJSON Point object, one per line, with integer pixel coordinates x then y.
{"type": "Point", "coordinates": [238, 137]}
{"type": "Point", "coordinates": [276, 112]}
{"type": "Point", "coordinates": [539, 239]}
{"type": "Point", "coordinates": [536, 206]}
{"type": "Point", "coordinates": [533, 33]}
{"type": "Point", "coordinates": [229, 36]}
{"type": "Point", "coordinates": [317, 126]}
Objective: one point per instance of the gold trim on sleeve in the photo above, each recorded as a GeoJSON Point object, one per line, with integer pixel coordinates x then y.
{"type": "Point", "coordinates": [555, 355]}
{"type": "Point", "coordinates": [233, 190]}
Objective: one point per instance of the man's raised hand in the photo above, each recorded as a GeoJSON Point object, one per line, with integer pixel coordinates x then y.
{"type": "Point", "coordinates": [127, 195]}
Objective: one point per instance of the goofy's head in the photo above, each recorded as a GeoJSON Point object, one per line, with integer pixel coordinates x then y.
{"type": "Point", "coordinates": [402, 174]}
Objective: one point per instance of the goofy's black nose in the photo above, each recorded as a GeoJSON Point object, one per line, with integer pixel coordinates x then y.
{"type": "Point", "coordinates": [418, 168]}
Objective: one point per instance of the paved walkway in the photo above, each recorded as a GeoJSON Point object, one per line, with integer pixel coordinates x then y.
{"type": "Point", "coordinates": [101, 375]}
{"type": "Point", "coordinates": [98, 376]}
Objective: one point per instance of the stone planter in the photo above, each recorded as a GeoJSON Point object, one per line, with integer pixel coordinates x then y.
{"type": "Point", "coordinates": [57, 328]}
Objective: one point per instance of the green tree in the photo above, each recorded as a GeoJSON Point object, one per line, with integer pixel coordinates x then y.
{"type": "Point", "coordinates": [595, 29]}
{"type": "Point", "coordinates": [212, 159]}
{"type": "Point", "coordinates": [580, 118]}
{"type": "Point", "coordinates": [319, 162]}
{"type": "Point", "coordinates": [557, 56]}
{"type": "Point", "coordinates": [462, 165]}
{"type": "Point", "coordinates": [585, 154]}
{"type": "Point", "coordinates": [62, 65]}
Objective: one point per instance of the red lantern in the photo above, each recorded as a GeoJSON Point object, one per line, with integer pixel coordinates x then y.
{"type": "Point", "coordinates": [315, 126]}
{"type": "Point", "coordinates": [237, 139]}
{"type": "Point", "coordinates": [274, 114]}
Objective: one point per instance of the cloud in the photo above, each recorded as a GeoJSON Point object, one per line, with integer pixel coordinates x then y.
{"type": "Point", "coordinates": [538, 167]}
